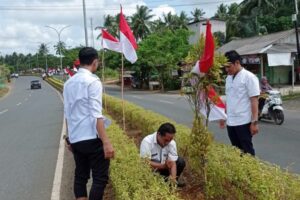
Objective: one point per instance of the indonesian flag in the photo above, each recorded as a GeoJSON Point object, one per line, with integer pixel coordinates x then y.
{"type": "Point", "coordinates": [110, 42]}
{"type": "Point", "coordinates": [68, 71]}
{"type": "Point", "coordinates": [127, 40]}
{"type": "Point", "coordinates": [205, 63]}
{"type": "Point", "coordinates": [217, 107]}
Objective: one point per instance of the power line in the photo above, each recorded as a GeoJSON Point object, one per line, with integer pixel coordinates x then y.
{"type": "Point", "coordinates": [79, 7]}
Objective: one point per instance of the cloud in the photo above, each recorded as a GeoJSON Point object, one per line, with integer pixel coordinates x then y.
{"type": "Point", "coordinates": [23, 22]}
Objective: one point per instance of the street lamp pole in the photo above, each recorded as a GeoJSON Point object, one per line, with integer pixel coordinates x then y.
{"type": "Point", "coordinates": [59, 41]}
{"type": "Point", "coordinates": [85, 26]}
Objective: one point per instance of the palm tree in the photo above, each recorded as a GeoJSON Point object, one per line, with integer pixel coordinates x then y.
{"type": "Point", "coordinates": [259, 6]}
{"type": "Point", "coordinates": [197, 14]}
{"type": "Point", "coordinates": [221, 12]}
{"type": "Point", "coordinates": [111, 24]}
{"type": "Point", "coordinates": [182, 20]}
{"type": "Point", "coordinates": [170, 21]}
{"type": "Point", "coordinates": [140, 22]}
{"type": "Point", "coordinates": [43, 49]}
{"type": "Point", "coordinates": [60, 48]}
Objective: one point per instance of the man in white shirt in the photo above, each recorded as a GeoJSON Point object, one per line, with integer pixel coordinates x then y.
{"type": "Point", "coordinates": [242, 91]}
{"type": "Point", "coordinates": [85, 124]}
{"type": "Point", "coordinates": [160, 149]}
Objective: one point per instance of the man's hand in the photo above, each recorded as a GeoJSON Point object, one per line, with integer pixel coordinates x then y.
{"type": "Point", "coordinates": [109, 151]}
{"type": "Point", "coordinates": [222, 123]}
{"type": "Point", "coordinates": [254, 128]}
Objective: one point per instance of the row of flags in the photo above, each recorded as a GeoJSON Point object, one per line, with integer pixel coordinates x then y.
{"type": "Point", "coordinates": [127, 45]}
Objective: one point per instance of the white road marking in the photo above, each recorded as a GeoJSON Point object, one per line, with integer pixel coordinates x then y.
{"type": "Point", "coordinates": [19, 103]}
{"type": "Point", "coordinates": [137, 97]}
{"type": "Point", "coordinates": [55, 195]}
{"type": "Point", "coordinates": [163, 101]}
{"type": "Point", "coordinates": [3, 111]}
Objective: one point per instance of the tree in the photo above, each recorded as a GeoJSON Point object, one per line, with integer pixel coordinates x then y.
{"type": "Point", "coordinates": [197, 14]}
{"type": "Point", "coordinates": [140, 22]}
{"type": "Point", "coordinates": [60, 48]}
{"type": "Point", "coordinates": [182, 20]}
{"type": "Point", "coordinates": [43, 49]}
{"type": "Point", "coordinates": [161, 52]}
{"type": "Point", "coordinates": [221, 12]}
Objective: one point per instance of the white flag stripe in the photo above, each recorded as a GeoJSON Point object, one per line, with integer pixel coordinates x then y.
{"type": "Point", "coordinates": [127, 49]}
{"type": "Point", "coordinates": [111, 45]}
{"type": "Point", "coordinates": [216, 113]}
{"type": "Point", "coordinates": [196, 69]}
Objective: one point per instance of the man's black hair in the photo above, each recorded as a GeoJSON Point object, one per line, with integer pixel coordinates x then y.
{"type": "Point", "coordinates": [232, 56]}
{"type": "Point", "coordinates": [166, 128]}
{"type": "Point", "coordinates": [87, 55]}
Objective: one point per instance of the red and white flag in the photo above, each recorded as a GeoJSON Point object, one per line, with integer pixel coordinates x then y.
{"type": "Point", "coordinates": [206, 61]}
{"type": "Point", "coordinates": [68, 71]}
{"type": "Point", "coordinates": [110, 42]}
{"type": "Point", "coordinates": [127, 40]}
{"type": "Point", "coordinates": [217, 107]}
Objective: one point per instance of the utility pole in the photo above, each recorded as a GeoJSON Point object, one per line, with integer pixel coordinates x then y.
{"type": "Point", "coordinates": [85, 27]}
{"type": "Point", "coordinates": [295, 20]}
{"type": "Point", "coordinates": [92, 33]}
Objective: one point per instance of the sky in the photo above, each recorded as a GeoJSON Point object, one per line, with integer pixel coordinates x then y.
{"type": "Point", "coordinates": [23, 22]}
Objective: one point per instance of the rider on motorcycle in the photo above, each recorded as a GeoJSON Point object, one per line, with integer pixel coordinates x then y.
{"type": "Point", "coordinates": [264, 87]}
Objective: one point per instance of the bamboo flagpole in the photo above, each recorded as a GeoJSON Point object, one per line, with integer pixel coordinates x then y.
{"type": "Point", "coordinates": [103, 70]}
{"type": "Point", "coordinates": [122, 92]}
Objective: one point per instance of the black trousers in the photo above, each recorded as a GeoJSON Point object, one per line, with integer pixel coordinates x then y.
{"type": "Point", "coordinates": [180, 165]}
{"type": "Point", "coordinates": [89, 156]}
{"type": "Point", "coordinates": [241, 137]}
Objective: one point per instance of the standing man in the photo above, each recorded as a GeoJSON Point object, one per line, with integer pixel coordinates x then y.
{"type": "Point", "coordinates": [242, 91]}
{"type": "Point", "coordinates": [161, 150]}
{"type": "Point", "coordinates": [85, 124]}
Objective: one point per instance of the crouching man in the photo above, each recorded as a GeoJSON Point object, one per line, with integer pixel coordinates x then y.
{"type": "Point", "coordinates": [161, 150]}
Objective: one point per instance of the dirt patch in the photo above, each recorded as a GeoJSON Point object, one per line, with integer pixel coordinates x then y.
{"type": "Point", "coordinates": [3, 91]}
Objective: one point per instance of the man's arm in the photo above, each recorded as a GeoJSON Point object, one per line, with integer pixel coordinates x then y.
{"type": "Point", "coordinates": [254, 118]}
{"type": "Point", "coordinates": [108, 148]}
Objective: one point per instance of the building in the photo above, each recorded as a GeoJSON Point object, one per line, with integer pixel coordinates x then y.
{"type": "Point", "coordinates": [200, 28]}
{"type": "Point", "coordinates": [269, 55]}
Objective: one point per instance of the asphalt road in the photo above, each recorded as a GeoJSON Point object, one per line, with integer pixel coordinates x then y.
{"type": "Point", "coordinates": [276, 144]}
{"type": "Point", "coordinates": [30, 128]}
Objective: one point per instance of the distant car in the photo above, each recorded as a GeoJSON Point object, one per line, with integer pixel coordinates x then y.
{"type": "Point", "coordinates": [36, 84]}
{"type": "Point", "coordinates": [14, 75]}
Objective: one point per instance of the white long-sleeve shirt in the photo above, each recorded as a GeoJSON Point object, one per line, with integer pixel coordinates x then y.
{"type": "Point", "coordinates": [82, 105]}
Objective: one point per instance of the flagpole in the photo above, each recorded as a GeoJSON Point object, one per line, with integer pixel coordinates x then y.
{"type": "Point", "coordinates": [122, 91]}
{"type": "Point", "coordinates": [103, 80]}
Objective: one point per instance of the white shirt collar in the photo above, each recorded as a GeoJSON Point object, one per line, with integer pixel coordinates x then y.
{"type": "Point", "coordinates": [155, 138]}
{"type": "Point", "coordinates": [83, 70]}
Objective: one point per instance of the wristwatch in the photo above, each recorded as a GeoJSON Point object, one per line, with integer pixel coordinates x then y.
{"type": "Point", "coordinates": [254, 122]}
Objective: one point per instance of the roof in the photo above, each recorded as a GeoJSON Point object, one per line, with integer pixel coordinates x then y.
{"type": "Point", "coordinates": [202, 19]}
{"type": "Point", "coordinates": [257, 44]}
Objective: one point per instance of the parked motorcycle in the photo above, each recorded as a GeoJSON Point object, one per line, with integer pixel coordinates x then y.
{"type": "Point", "coordinates": [272, 109]}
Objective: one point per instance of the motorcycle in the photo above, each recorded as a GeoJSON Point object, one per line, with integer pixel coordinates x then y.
{"type": "Point", "coordinates": [272, 109]}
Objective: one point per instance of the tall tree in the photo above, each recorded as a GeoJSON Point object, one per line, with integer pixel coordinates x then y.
{"type": "Point", "coordinates": [60, 48]}
{"type": "Point", "coordinates": [43, 49]}
{"type": "Point", "coordinates": [140, 22]}
{"type": "Point", "coordinates": [197, 14]}
{"type": "Point", "coordinates": [221, 12]}
{"type": "Point", "coordinates": [182, 20]}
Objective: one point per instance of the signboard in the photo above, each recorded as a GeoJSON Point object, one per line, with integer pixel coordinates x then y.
{"type": "Point", "coordinates": [254, 60]}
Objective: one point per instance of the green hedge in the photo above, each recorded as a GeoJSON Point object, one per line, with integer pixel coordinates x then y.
{"type": "Point", "coordinates": [230, 176]}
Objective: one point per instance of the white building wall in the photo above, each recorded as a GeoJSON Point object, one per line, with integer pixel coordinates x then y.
{"type": "Point", "coordinates": [200, 28]}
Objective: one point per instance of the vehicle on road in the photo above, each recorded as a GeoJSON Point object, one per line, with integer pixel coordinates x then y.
{"type": "Point", "coordinates": [35, 84]}
{"type": "Point", "coordinates": [272, 109]}
{"type": "Point", "coordinates": [14, 75]}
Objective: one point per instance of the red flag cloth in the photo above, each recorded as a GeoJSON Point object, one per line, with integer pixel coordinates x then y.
{"type": "Point", "coordinates": [127, 40]}
{"type": "Point", "coordinates": [217, 107]}
{"type": "Point", "coordinates": [110, 42]}
{"type": "Point", "coordinates": [68, 71]}
{"type": "Point", "coordinates": [206, 61]}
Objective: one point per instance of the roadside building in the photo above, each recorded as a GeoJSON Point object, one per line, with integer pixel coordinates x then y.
{"type": "Point", "coordinates": [199, 28]}
{"type": "Point", "coordinates": [271, 55]}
